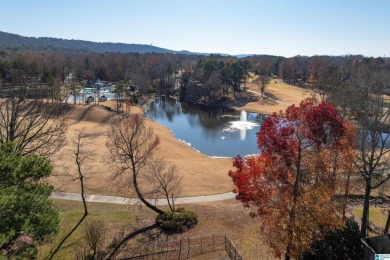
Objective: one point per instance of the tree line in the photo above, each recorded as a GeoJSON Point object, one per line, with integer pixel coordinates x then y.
{"type": "Point", "coordinates": [149, 72]}
{"type": "Point", "coordinates": [196, 79]}
{"type": "Point", "coordinates": [213, 80]}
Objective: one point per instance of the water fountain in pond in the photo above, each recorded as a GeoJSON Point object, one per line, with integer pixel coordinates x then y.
{"type": "Point", "coordinates": [243, 125]}
{"type": "Point", "coordinates": [243, 116]}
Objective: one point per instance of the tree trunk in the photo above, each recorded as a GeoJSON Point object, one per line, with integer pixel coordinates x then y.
{"type": "Point", "coordinates": [141, 197]}
{"type": "Point", "coordinates": [131, 236]}
{"type": "Point", "coordinates": [346, 194]}
{"type": "Point", "coordinates": [387, 224]}
{"type": "Point", "coordinates": [366, 208]}
{"type": "Point", "coordinates": [293, 206]}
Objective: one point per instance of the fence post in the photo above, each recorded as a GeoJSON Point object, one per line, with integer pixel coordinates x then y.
{"type": "Point", "coordinates": [213, 244]}
{"type": "Point", "coordinates": [226, 245]}
{"type": "Point", "coordinates": [189, 245]}
{"type": "Point", "coordinates": [179, 250]}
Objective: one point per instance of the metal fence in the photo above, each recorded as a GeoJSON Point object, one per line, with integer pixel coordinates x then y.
{"type": "Point", "coordinates": [232, 250]}
{"type": "Point", "coordinates": [186, 248]}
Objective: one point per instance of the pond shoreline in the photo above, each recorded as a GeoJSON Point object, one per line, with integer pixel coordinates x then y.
{"type": "Point", "coordinates": [215, 132]}
{"type": "Point", "coordinates": [203, 175]}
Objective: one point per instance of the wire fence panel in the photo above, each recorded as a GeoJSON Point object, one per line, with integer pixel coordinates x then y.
{"type": "Point", "coordinates": [186, 248]}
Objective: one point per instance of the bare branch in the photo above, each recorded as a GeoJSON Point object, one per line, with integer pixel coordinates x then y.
{"type": "Point", "coordinates": [33, 125]}
{"type": "Point", "coordinates": [80, 156]}
{"type": "Point", "coordinates": [165, 181]}
{"type": "Point", "coordinates": [131, 146]}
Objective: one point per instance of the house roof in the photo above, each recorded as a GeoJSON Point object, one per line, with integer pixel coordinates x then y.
{"type": "Point", "coordinates": [379, 244]}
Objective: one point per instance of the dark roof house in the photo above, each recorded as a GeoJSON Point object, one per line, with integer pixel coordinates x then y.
{"type": "Point", "coordinates": [376, 245]}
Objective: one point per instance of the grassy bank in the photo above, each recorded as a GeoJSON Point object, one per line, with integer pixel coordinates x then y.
{"type": "Point", "coordinates": [113, 217]}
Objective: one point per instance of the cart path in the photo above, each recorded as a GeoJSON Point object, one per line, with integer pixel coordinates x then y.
{"type": "Point", "coordinates": [132, 201]}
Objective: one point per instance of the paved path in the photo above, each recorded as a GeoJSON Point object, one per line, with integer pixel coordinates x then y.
{"type": "Point", "coordinates": [252, 91]}
{"type": "Point", "coordinates": [122, 200]}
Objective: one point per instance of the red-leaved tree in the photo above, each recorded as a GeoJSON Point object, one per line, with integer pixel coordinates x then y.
{"type": "Point", "coordinates": [305, 154]}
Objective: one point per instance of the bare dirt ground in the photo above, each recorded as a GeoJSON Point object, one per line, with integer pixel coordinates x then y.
{"type": "Point", "coordinates": [202, 175]}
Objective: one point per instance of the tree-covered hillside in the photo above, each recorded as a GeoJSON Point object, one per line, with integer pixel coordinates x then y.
{"type": "Point", "coordinates": [17, 42]}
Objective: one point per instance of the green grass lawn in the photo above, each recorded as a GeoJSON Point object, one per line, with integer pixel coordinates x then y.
{"type": "Point", "coordinates": [376, 215]}
{"type": "Point", "coordinates": [114, 217]}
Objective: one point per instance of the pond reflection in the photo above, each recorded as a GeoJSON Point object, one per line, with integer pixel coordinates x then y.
{"type": "Point", "coordinates": [218, 132]}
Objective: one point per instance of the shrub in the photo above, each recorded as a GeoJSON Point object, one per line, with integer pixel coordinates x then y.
{"type": "Point", "coordinates": [339, 244]}
{"type": "Point", "coordinates": [177, 221]}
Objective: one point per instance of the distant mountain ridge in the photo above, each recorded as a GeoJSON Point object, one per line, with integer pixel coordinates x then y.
{"type": "Point", "coordinates": [15, 41]}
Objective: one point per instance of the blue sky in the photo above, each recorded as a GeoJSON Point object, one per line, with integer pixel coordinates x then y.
{"type": "Point", "coordinates": [276, 27]}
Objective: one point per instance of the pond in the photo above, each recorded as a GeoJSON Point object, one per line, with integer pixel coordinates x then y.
{"type": "Point", "coordinates": [216, 133]}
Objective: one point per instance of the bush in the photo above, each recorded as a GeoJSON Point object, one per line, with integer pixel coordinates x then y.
{"type": "Point", "coordinates": [107, 108]}
{"type": "Point", "coordinates": [177, 221]}
{"type": "Point", "coordinates": [339, 244]}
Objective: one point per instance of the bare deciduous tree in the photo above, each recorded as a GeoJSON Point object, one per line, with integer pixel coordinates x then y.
{"type": "Point", "coordinates": [373, 156]}
{"type": "Point", "coordinates": [361, 97]}
{"type": "Point", "coordinates": [261, 82]}
{"type": "Point", "coordinates": [121, 92]}
{"type": "Point", "coordinates": [132, 145]}
{"type": "Point", "coordinates": [74, 89]}
{"type": "Point", "coordinates": [81, 155]}
{"type": "Point", "coordinates": [366, 105]}
{"type": "Point", "coordinates": [94, 236]}
{"type": "Point", "coordinates": [165, 181]}
{"type": "Point", "coordinates": [33, 125]}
